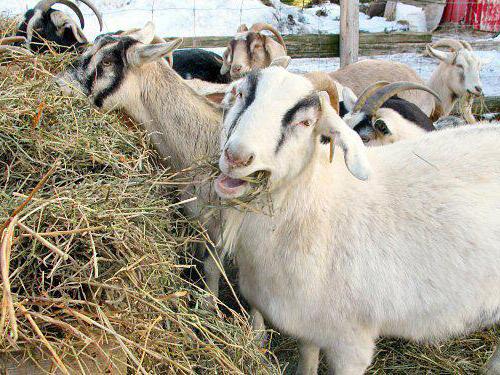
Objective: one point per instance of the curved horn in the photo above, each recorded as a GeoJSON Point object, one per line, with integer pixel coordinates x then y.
{"type": "Point", "coordinates": [16, 50]}
{"type": "Point", "coordinates": [374, 102]}
{"type": "Point", "coordinates": [44, 5]}
{"type": "Point", "coordinates": [257, 27]}
{"type": "Point", "coordinates": [322, 82]}
{"type": "Point", "coordinates": [368, 92]}
{"type": "Point", "coordinates": [12, 39]}
{"type": "Point", "coordinates": [453, 44]}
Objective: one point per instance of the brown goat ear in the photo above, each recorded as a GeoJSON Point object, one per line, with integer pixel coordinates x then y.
{"type": "Point", "coordinates": [242, 28]}
{"type": "Point", "coordinates": [273, 48]}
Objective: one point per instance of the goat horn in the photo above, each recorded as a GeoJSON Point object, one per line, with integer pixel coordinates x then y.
{"type": "Point", "coordinates": [257, 27]}
{"type": "Point", "coordinates": [12, 39]}
{"type": "Point", "coordinates": [322, 82]}
{"type": "Point", "coordinates": [452, 44]}
{"type": "Point", "coordinates": [367, 93]}
{"type": "Point", "coordinates": [44, 5]}
{"type": "Point", "coordinates": [466, 45]}
{"type": "Point", "coordinates": [388, 91]}
{"type": "Point", "coordinates": [17, 50]}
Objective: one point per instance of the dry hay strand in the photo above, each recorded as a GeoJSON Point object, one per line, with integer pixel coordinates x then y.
{"type": "Point", "coordinates": [92, 242]}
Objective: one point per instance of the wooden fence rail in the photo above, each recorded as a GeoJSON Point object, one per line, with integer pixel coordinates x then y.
{"type": "Point", "coordinates": [327, 45]}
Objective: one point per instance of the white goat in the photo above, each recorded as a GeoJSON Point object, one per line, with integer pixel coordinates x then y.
{"type": "Point", "coordinates": [411, 251]}
{"type": "Point", "coordinates": [456, 76]}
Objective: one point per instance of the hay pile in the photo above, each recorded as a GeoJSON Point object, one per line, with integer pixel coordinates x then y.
{"type": "Point", "coordinates": [90, 261]}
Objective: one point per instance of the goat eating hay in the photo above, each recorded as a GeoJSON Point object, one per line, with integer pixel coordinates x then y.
{"type": "Point", "coordinates": [91, 259]}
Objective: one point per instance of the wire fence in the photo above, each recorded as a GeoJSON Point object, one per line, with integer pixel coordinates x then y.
{"type": "Point", "coordinates": [317, 48]}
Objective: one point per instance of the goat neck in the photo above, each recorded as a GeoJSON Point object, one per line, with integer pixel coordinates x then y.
{"type": "Point", "coordinates": [183, 125]}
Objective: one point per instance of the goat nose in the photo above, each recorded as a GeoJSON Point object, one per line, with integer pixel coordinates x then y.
{"type": "Point", "coordinates": [238, 159]}
{"type": "Point", "coordinates": [479, 89]}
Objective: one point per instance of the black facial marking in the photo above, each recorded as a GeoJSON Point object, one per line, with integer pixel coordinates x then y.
{"type": "Point", "coordinates": [406, 109]}
{"type": "Point", "coordinates": [342, 109]}
{"type": "Point", "coordinates": [118, 58]}
{"type": "Point", "coordinates": [251, 81]}
{"type": "Point", "coordinates": [365, 129]}
{"type": "Point", "coordinates": [250, 38]}
{"type": "Point", "coordinates": [311, 101]}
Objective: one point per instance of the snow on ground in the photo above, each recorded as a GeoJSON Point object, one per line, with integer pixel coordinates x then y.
{"type": "Point", "coordinates": [415, 17]}
{"type": "Point", "coordinates": [424, 66]}
{"type": "Point", "coordinates": [207, 17]}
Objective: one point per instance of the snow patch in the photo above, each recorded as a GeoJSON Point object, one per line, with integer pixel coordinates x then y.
{"type": "Point", "coordinates": [208, 17]}
{"type": "Point", "coordinates": [415, 17]}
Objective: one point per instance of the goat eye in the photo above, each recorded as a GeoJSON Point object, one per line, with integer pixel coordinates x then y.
{"type": "Point", "coordinates": [239, 95]}
{"type": "Point", "coordinates": [107, 63]}
{"type": "Point", "coordinates": [303, 123]}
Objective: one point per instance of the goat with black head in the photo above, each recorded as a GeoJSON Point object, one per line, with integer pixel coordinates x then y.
{"type": "Point", "coordinates": [43, 24]}
{"type": "Point", "coordinates": [380, 117]}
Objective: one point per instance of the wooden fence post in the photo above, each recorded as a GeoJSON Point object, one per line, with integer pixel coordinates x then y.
{"type": "Point", "coordinates": [349, 31]}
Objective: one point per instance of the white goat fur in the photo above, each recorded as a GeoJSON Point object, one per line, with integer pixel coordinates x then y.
{"type": "Point", "coordinates": [412, 252]}
{"type": "Point", "coordinates": [456, 76]}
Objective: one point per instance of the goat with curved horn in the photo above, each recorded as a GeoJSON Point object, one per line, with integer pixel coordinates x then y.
{"type": "Point", "coordinates": [45, 5]}
{"type": "Point", "coordinates": [43, 24]}
{"type": "Point", "coordinates": [375, 101]}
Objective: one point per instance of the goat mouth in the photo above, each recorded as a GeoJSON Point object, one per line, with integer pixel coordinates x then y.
{"type": "Point", "coordinates": [228, 187]}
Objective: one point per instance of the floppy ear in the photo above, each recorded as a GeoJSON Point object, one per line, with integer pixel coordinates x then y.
{"type": "Point", "coordinates": [226, 64]}
{"type": "Point", "coordinates": [272, 47]}
{"type": "Point", "coordinates": [447, 57]}
{"type": "Point", "coordinates": [144, 35]}
{"type": "Point", "coordinates": [349, 98]}
{"type": "Point", "coordinates": [142, 54]}
{"type": "Point", "coordinates": [242, 28]}
{"type": "Point", "coordinates": [282, 61]}
{"type": "Point", "coordinates": [77, 32]}
{"type": "Point", "coordinates": [331, 125]}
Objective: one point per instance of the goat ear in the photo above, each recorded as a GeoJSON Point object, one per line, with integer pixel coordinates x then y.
{"type": "Point", "coordinates": [349, 98]}
{"type": "Point", "coordinates": [226, 64]}
{"type": "Point", "coordinates": [144, 35]}
{"type": "Point", "coordinates": [382, 127]}
{"type": "Point", "coordinates": [272, 47]}
{"type": "Point", "coordinates": [77, 32]}
{"type": "Point", "coordinates": [242, 28]}
{"type": "Point", "coordinates": [143, 54]}
{"type": "Point", "coordinates": [282, 61]}
{"type": "Point", "coordinates": [332, 126]}
{"type": "Point", "coordinates": [447, 57]}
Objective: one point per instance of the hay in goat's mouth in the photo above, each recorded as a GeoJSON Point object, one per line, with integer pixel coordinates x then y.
{"type": "Point", "coordinates": [92, 243]}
